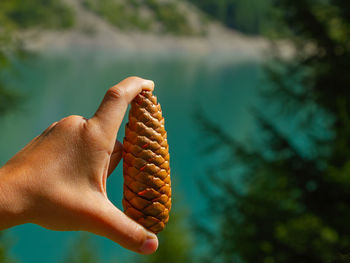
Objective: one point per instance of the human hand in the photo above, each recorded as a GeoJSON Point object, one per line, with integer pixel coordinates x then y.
{"type": "Point", "coordinates": [58, 180]}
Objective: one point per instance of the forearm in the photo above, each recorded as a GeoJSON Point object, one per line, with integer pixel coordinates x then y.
{"type": "Point", "coordinates": [13, 199]}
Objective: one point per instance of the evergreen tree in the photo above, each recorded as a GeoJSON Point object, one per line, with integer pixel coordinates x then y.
{"type": "Point", "coordinates": [5, 256]}
{"type": "Point", "coordinates": [248, 16]}
{"type": "Point", "coordinates": [294, 204]}
{"type": "Point", "coordinates": [16, 15]}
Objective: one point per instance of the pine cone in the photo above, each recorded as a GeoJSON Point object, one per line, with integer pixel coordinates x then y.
{"type": "Point", "coordinates": [147, 186]}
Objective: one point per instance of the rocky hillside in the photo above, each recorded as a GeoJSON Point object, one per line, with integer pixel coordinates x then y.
{"type": "Point", "coordinates": [157, 16]}
{"type": "Point", "coordinates": [142, 25]}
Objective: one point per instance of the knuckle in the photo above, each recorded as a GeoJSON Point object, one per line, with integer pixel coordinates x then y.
{"type": "Point", "coordinates": [117, 92]}
{"type": "Point", "coordinates": [73, 117]}
{"type": "Point", "coordinates": [92, 131]}
{"type": "Point", "coordinates": [120, 91]}
{"type": "Point", "coordinates": [94, 134]}
{"type": "Point", "coordinates": [53, 124]}
{"type": "Point", "coordinates": [71, 121]}
{"type": "Point", "coordinates": [133, 78]}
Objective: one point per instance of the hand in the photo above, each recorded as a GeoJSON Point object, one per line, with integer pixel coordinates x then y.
{"type": "Point", "coordinates": [58, 180]}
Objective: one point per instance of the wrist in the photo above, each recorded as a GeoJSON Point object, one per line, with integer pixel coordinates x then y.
{"type": "Point", "coordinates": [14, 201]}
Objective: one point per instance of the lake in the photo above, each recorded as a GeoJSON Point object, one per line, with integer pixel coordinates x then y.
{"type": "Point", "coordinates": [58, 84]}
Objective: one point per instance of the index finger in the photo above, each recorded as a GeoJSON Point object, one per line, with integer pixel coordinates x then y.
{"type": "Point", "coordinates": [111, 111]}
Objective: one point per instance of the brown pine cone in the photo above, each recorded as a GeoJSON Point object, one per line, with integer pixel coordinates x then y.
{"type": "Point", "coordinates": [147, 186]}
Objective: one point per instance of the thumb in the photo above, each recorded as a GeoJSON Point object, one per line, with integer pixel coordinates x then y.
{"type": "Point", "coordinates": [111, 112]}
{"type": "Point", "coordinates": [115, 225]}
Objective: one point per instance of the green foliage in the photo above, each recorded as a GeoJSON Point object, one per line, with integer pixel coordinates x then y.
{"type": "Point", "coordinates": [127, 15]}
{"type": "Point", "coordinates": [248, 16]}
{"type": "Point", "coordinates": [17, 15]}
{"type": "Point", "coordinates": [9, 48]}
{"type": "Point", "coordinates": [4, 246]}
{"type": "Point", "coordinates": [8, 100]}
{"type": "Point", "coordinates": [170, 17]}
{"type": "Point", "coordinates": [124, 16]}
{"type": "Point", "coordinates": [42, 13]}
{"type": "Point", "coordinates": [82, 251]}
{"type": "Point", "coordinates": [292, 204]}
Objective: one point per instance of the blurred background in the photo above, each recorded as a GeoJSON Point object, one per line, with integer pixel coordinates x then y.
{"type": "Point", "coordinates": [256, 99]}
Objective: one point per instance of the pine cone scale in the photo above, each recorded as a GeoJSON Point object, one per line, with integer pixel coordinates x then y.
{"type": "Point", "coordinates": [137, 152]}
{"type": "Point", "coordinates": [155, 137]}
{"type": "Point", "coordinates": [143, 141]}
{"type": "Point", "coordinates": [148, 209]}
{"type": "Point", "coordinates": [142, 166]}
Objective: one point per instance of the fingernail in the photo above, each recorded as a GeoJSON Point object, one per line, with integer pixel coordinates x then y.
{"type": "Point", "coordinates": [150, 245]}
{"type": "Point", "coordinates": [148, 84]}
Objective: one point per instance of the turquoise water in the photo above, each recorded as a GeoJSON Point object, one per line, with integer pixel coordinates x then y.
{"type": "Point", "coordinates": [73, 82]}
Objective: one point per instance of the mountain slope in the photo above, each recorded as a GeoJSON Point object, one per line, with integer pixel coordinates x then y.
{"type": "Point", "coordinates": [174, 17]}
{"type": "Point", "coordinates": [97, 26]}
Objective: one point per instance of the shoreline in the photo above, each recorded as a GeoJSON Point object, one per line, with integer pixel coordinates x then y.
{"type": "Point", "coordinates": [92, 32]}
{"type": "Point", "coordinates": [219, 40]}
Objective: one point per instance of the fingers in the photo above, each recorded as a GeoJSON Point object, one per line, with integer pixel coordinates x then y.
{"type": "Point", "coordinates": [115, 157]}
{"type": "Point", "coordinates": [115, 225]}
{"type": "Point", "coordinates": [110, 114]}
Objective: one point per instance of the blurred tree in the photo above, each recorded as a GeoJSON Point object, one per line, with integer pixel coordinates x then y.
{"type": "Point", "coordinates": [82, 251]}
{"type": "Point", "coordinates": [292, 204]}
{"type": "Point", "coordinates": [16, 15]}
{"type": "Point", "coordinates": [9, 48]}
{"type": "Point", "coordinates": [248, 16]}
{"type": "Point", "coordinates": [36, 13]}
{"type": "Point", "coordinates": [163, 16]}
{"type": "Point", "coordinates": [4, 254]}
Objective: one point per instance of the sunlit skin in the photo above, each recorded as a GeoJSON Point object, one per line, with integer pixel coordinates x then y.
{"type": "Point", "coordinates": [58, 180]}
